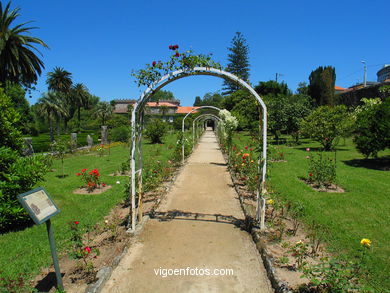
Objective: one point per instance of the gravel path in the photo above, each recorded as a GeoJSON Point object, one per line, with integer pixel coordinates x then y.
{"type": "Point", "coordinates": [195, 231]}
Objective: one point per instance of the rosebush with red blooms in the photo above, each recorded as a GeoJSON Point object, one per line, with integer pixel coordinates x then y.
{"type": "Point", "coordinates": [91, 179]}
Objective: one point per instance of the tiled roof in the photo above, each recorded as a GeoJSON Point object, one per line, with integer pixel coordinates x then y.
{"type": "Point", "coordinates": [159, 104]}
{"type": "Point", "coordinates": [185, 110]}
{"type": "Point", "coordinates": [339, 88]}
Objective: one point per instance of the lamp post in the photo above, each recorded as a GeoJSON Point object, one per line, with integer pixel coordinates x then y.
{"type": "Point", "coordinates": [365, 72]}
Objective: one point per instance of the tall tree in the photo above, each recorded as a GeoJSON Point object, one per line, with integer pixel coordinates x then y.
{"type": "Point", "coordinates": [79, 97]}
{"type": "Point", "coordinates": [162, 95]}
{"type": "Point", "coordinates": [59, 80]}
{"type": "Point", "coordinates": [265, 88]}
{"type": "Point", "coordinates": [198, 101]}
{"type": "Point", "coordinates": [321, 87]}
{"type": "Point", "coordinates": [238, 63]}
{"type": "Point", "coordinates": [18, 60]}
{"type": "Point", "coordinates": [103, 111]}
{"type": "Point", "coordinates": [52, 106]}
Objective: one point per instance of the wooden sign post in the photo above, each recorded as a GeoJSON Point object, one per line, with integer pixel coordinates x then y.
{"type": "Point", "coordinates": [41, 208]}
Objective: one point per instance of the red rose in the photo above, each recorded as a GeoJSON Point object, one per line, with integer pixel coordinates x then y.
{"type": "Point", "coordinates": [177, 54]}
{"type": "Point", "coordinates": [246, 147]}
{"type": "Point", "coordinates": [170, 47]}
{"type": "Point", "coordinates": [84, 170]}
{"type": "Point", "coordinates": [76, 222]}
{"type": "Point", "coordinates": [87, 249]}
{"type": "Point", "coordinates": [78, 174]}
{"type": "Point", "coordinates": [154, 63]}
{"type": "Point", "coordinates": [104, 184]}
{"type": "Point", "coordinates": [176, 47]}
{"type": "Point", "coordinates": [251, 149]}
{"type": "Point", "coordinates": [310, 174]}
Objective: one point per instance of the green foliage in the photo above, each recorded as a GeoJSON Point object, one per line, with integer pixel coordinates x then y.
{"type": "Point", "coordinates": [322, 170]}
{"type": "Point", "coordinates": [272, 87]}
{"type": "Point", "coordinates": [244, 107]}
{"type": "Point", "coordinates": [372, 128]}
{"type": "Point", "coordinates": [321, 87]}
{"type": "Point", "coordinates": [297, 107]}
{"type": "Point", "coordinates": [59, 149]}
{"type": "Point", "coordinates": [18, 59]}
{"type": "Point", "coordinates": [9, 119]}
{"type": "Point", "coordinates": [210, 99]}
{"type": "Point", "coordinates": [325, 124]}
{"type": "Point", "coordinates": [238, 63]}
{"type": "Point", "coordinates": [155, 130]}
{"type": "Point", "coordinates": [59, 80]}
{"type": "Point", "coordinates": [162, 95]}
{"type": "Point", "coordinates": [198, 101]}
{"type": "Point", "coordinates": [178, 61]}
{"type": "Point", "coordinates": [121, 133]}
{"type": "Point", "coordinates": [103, 110]}
{"type": "Point", "coordinates": [18, 175]}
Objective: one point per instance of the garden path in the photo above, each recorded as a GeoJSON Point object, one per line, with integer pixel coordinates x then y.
{"type": "Point", "coordinates": [185, 232]}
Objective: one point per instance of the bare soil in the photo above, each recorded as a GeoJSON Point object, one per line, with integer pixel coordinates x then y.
{"type": "Point", "coordinates": [99, 190]}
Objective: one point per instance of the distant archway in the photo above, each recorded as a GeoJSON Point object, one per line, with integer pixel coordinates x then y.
{"type": "Point", "coordinates": [137, 126]}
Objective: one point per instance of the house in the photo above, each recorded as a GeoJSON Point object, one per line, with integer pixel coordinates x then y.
{"type": "Point", "coordinates": [339, 89]}
{"type": "Point", "coordinates": [164, 108]}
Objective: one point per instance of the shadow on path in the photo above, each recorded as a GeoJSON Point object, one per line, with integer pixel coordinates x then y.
{"type": "Point", "coordinates": [245, 224]}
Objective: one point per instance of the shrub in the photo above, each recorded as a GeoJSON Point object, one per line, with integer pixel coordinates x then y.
{"type": "Point", "coordinates": [19, 174]}
{"type": "Point", "coordinates": [155, 130]}
{"type": "Point", "coordinates": [121, 133]}
{"type": "Point", "coordinates": [373, 128]}
{"type": "Point", "coordinates": [325, 124]}
{"type": "Point", "coordinates": [322, 170]}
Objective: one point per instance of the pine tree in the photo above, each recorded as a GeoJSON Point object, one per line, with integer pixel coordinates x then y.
{"type": "Point", "coordinates": [198, 101]}
{"type": "Point", "coordinates": [238, 63]}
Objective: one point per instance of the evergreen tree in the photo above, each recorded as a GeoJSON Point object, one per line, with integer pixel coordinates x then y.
{"type": "Point", "coordinates": [238, 63]}
{"type": "Point", "coordinates": [198, 101]}
{"type": "Point", "coordinates": [321, 87]}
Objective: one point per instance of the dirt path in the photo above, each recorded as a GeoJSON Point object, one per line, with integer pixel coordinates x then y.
{"type": "Point", "coordinates": [196, 228]}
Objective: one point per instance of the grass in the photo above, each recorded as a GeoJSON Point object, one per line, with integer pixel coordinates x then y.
{"type": "Point", "coordinates": [361, 212]}
{"type": "Point", "coordinates": [26, 252]}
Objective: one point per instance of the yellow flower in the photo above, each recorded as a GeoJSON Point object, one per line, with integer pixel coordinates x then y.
{"type": "Point", "coordinates": [243, 164]}
{"type": "Point", "coordinates": [365, 242]}
{"type": "Point", "coordinates": [270, 201]}
{"type": "Point", "coordinates": [252, 161]}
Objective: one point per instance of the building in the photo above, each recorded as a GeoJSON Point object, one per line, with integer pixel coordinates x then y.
{"type": "Point", "coordinates": [166, 109]}
{"type": "Point", "coordinates": [384, 73]}
{"type": "Point", "coordinates": [339, 89]}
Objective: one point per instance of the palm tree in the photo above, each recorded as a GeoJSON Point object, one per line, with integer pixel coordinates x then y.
{"type": "Point", "coordinates": [59, 80]}
{"type": "Point", "coordinates": [80, 98]}
{"type": "Point", "coordinates": [103, 111]}
{"type": "Point", "coordinates": [18, 60]}
{"type": "Point", "coordinates": [52, 106]}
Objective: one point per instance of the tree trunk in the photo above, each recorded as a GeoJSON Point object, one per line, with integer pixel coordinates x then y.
{"type": "Point", "coordinates": [51, 130]}
{"type": "Point", "coordinates": [78, 117]}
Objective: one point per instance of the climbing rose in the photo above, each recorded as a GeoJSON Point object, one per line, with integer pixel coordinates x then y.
{"type": "Point", "coordinates": [84, 170]}
{"type": "Point", "coordinates": [78, 174]}
{"type": "Point", "coordinates": [246, 147]}
{"type": "Point", "coordinates": [87, 249]}
{"type": "Point", "coordinates": [154, 63]}
{"type": "Point", "coordinates": [177, 54]}
{"type": "Point", "coordinates": [170, 47]}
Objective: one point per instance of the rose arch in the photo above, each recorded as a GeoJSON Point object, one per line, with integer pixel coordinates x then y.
{"type": "Point", "coordinates": [203, 117]}
{"type": "Point", "coordinates": [137, 120]}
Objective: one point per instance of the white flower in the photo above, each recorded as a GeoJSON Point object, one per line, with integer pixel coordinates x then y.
{"type": "Point", "coordinates": [118, 182]}
{"type": "Point", "coordinates": [106, 221]}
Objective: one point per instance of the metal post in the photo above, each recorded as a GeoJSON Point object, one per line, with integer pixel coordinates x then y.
{"type": "Point", "coordinates": [365, 72]}
{"type": "Point", "coordinates": [54, 255]}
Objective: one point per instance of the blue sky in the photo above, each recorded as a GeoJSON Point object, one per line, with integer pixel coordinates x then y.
{"type": "Point", "coordinates": [100, 42]}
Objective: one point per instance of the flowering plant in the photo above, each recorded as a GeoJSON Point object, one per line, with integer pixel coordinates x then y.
{"type": "Point", "coordinates": [91, 179]}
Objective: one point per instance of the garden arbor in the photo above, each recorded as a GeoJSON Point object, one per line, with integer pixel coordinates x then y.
{"type": "Point", "coordinates": [184, 119]}
{"type": "Point", "coordinates": [203, 117]}
{"type": "Point", "coordinates": [137, 120]}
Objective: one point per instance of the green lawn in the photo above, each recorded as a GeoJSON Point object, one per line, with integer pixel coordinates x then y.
{"type": "Point", "coordinates": [363, 211]}
{"type": "Point", "coordinates": [27, 251]}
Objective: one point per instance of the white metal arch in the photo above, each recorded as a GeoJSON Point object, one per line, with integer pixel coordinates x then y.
{"type": "Point", "coordinates": [137, 117]}
{"type": "Point", "coordinates": [183, 122]}
{"type": "Point", "coordinates": [206, 116]}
